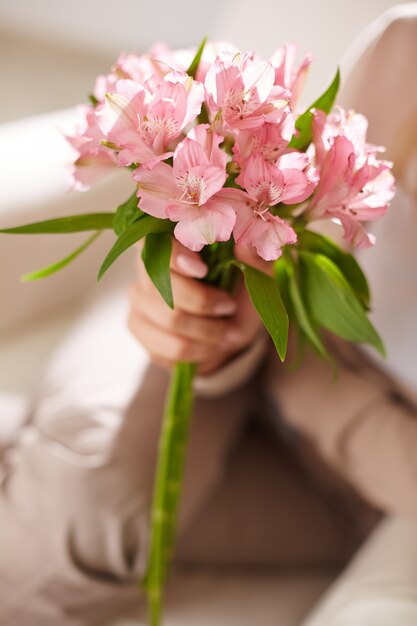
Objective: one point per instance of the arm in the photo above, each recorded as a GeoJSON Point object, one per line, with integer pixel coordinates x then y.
{"type": "Point", "coordinates": [361, 424]}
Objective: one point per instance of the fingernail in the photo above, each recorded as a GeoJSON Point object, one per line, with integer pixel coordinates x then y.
{"type": "Point", "coordinates": [191, 266]}
{"type": "Point", "coordinates": [224, 307]}
{"type": "Point", "coordinates": [233, 335]}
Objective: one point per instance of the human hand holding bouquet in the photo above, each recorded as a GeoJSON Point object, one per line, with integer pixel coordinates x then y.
{"type": "Point", "coordinates": [219, 155]}
{"type": "Point", "coordinates": [208, 326]}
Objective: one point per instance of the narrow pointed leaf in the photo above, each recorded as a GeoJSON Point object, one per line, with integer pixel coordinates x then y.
{"type": "Point", "coordinates": [134, 233]}
{"type": "Point", "coordinates": [314, 242]}
{"type": "Point", "coordinates": [70, 224]}
{"type": "Point", "coordinates": [192, 70]}
{"type": "Point", "coordinates": [156, 255]}
{"type": "Point", "coordinates": [55, 267]}
{"type": "Point", "coordinates": [302, 314]}
{"type": "Point", "coordinates": [325, 103]}
{"type": "Point", "coordinates": [93, 100]}
{"type": "Point", "coordinates": [126, 214]}
{"type": "Point", "coordinates": [333, 302]}
{"type": "Point", "coordinates": [266, 298]}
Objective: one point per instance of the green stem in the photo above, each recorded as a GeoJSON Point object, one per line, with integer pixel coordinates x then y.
{"type": "Point", "coordinates": [168, 482]}
{"type": "Point", "coordinates": [172, 451]}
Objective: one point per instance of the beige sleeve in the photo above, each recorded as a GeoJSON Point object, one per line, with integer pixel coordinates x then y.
{"type": "Point", "coordinates": [362, 425]}
{"type": "Point", "coordinates": [237, 372]}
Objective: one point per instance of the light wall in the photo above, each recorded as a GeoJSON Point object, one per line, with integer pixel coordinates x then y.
{"type": "Point", "coordinates": [58, 47]}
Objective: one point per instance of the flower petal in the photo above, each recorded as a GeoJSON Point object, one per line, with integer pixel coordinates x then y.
{"type": "Point", "coordinates": [214, 222]}
{"type": "Point", "coordinates": [271, 241]}
{"type": "Point", "coordinates": [156, 189]}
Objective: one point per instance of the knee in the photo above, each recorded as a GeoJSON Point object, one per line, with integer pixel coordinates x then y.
{"type": "Point", "coordinates": [94, 505]}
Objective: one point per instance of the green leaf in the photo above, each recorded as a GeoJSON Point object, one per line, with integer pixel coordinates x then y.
{"type": "Point", "coordinates": [334, 304]}
{"type": "Point", "coordinates": [266, 298]}
{"type": "Point", "coordinates": [192, 70]}
{"type": "Point", "coordinates": [325, 102]}
{"type": "Point", "coordinates": [345, 262]}
{"type": "Point", "coordinates": [132, 234]}
{"type": "Point", "coordinates": [281, 276]}
{"type": "Point", "coordinates": [126, 214]}
{"type": "Point", "coordinates": [302, 314]}
{"type": "Point", "coordinates": [55, 267]}
{"type": "Point", "coordinates": [156, 255]}
{"type": "Point", "coordinates": [70, 224]}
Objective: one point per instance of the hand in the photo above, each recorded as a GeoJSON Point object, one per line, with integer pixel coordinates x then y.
{"type": "Point", "coordinates": [207, 326]}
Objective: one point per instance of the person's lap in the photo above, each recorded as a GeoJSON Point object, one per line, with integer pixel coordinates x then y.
{"type": "Point", "coordinates": [74, 505]}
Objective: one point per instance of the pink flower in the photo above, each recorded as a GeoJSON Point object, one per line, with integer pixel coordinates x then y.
{"type": "Point", "coordinates": [256, 226]}
{"type": "Point", "coordinates": [93, 161]}
{"type": "Point", "coordinates": [340, 122]}
{"type": "Point", "coordinates": [286, 75]}
{"type": "Point", "coordinates": [239, 92]}
{"type": "Point", "coordinates": [187, 193]}
{"type": "Point", "coordinates": [352, 194]}
{"type": "Point", "coordinates": [267, 185]}
{"type": "Point", "coordinates": [291, 179]}
{"type": "Point", "coordinates": [269, 141]}
{"type": "Point", "coordinates": [213, 50]}
{"type": "Point", "coordinates": [150, 68]}
{"type": "Point", "coordinates": [144, 125]}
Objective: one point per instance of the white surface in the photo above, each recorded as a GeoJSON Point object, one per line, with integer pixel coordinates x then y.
{"type": "Point", "coordinates": [34, 160]}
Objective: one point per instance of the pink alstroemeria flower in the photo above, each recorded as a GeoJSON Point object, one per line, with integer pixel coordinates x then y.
{"type": "Point", "coordinates": [187, 193]}
{"type": "Point", "coordinates": [286, 74]}
{"type": "Point", "coordinates": [270, 140]}
{"type": "Point", "coordinates": [93, 161]}
{"type": "Point", "coordinates": [150, 68]}
{"type": "Point", "coordinates": [239, 92]}
{"type": "Point", "coordinates": [352, 194]}
{"type": "Point", "coordinates": [267, 185]}
{"type": "Point", "coordinates": [352, 125]}
{"type": "Point", "coordinates": [144, 126]}
{"type": "Point", "coordinates": [290, 179]}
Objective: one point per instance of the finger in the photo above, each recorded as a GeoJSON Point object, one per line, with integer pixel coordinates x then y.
{"type": "Point", "coordinates": [221, 333]}
{"type": "Point", "coordinates": [193, 296]}
{"type": "Point", "coordinates": [166, 347]}
{"type": "Point", "coordinates": [186, 262]}
{"type": "Point", "coordinates": [201, 299]}
{"type": "Point", "coordinates": [250, 256]}
{"type": "Point", "coordinates": [210, 366]}
{"type": "Point", "coordinates": [183, 261]}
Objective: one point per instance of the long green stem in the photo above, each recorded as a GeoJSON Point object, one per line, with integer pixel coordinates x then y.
{"type": "Point", "coordinates": [168, 482]}
{"type": "Point", "coordinates": [172, 450]}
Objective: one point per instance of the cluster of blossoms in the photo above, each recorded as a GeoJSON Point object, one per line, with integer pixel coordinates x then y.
{"type": "Point", "coordinates": [213, 154]}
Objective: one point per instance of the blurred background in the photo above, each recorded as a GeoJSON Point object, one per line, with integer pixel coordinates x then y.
{"type": "Point", "coordinates": [50, 54]}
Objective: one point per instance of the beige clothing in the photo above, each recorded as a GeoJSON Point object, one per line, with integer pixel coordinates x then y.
{"type": "Point", "coordinates": [74, 504]}
{"type": "Point", "coordinates": [77, 493]}
{"type": "Point", "coordinates": [75, 497]}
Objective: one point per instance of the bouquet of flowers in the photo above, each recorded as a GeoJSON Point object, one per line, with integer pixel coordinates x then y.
{"type": "Point", "coordinates": [219, 153]}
